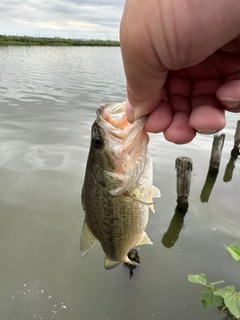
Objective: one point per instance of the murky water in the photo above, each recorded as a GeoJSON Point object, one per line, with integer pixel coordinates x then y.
{"type": "Point", "coordinates": [48, 98]}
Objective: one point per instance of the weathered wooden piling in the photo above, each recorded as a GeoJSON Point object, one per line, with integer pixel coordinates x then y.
{"type": "Point", "coordinates": [235, 150]}
{"type": "Point", "coordinates": [183, 166]}
{"type": "Point", "coordinates": [216, 153]}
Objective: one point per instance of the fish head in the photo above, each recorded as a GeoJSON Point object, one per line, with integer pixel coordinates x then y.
{"type": "Point", "coordinates": [118, 151]}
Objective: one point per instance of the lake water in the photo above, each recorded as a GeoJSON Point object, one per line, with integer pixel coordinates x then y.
{"type": "Point", "coordinates": [48, 98]}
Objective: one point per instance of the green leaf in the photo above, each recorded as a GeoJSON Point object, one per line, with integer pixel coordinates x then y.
{"type": "Point", "coordinates": [198, 278]}
{"type": "Point", "coordinates": [232, 302]}
{"type": "Point", "coordinates": [231, 299]}
{"type": "Point", "coordinates": [217, 300]}
{"type": "Point", "coordinates": [225, 291]}
{"type": "Point", "coordinates": [208, 298]}
{"type": "Point", "coordinates": [234, 250]}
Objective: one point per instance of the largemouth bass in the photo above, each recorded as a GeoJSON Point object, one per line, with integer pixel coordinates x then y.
{"type": "Point", "coordinates": [117, 190]}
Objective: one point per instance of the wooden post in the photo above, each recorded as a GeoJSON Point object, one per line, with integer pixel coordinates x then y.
{"type": "Point", "coordinates": [235, 150]}
{"type": "Point", "coordinates": [216, 153]}
{"type": "Point", "coordinates": [183, 166]}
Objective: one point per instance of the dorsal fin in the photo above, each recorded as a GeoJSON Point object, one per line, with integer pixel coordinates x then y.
{"type": "Point", "coordinates": [87, 240]}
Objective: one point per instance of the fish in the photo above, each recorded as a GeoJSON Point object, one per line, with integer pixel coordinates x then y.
{"type": "Point", "coordinates": [117, 191]}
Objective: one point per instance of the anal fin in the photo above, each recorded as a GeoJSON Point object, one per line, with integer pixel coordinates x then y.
{"type": "Point", "coordinates": [110, 264]}
{"type": "Point", "coordinates": [144, 240]}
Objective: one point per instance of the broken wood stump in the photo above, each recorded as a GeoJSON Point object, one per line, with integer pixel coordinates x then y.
{"type": "Point", "coordinates": [235, 151]}
{"type": "Point", "coordinates": [183, 166]}
{"type": "Point", "coordinates": [216, 153]}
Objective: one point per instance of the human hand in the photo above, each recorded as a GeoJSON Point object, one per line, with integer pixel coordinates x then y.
{"type": "Point", "coordinates": [182, 64]}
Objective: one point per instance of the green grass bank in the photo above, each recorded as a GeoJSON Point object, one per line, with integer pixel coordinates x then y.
{"type": "Point", "coordinates": [44, 41]}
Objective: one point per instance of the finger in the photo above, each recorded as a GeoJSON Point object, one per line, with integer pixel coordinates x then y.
{"type": "Point", "coordinates": [207, 112]}
{"type": "Point", "coordinates": [229, 93]}
{"type": "Point", "coordinates": [179, 92]}
{"type": "Point", "coordinates": [207, 115]}
{"type": "Point", "coordinates": [232, 46]}
{"type": "Point", "coordinates": [219, 64]}
{"type": "Point", "coordinates": [130, 113]}
{"type": "Point", "coordinates": [180, 131]}
{"type": "Point", "coordinates": [160, 119]}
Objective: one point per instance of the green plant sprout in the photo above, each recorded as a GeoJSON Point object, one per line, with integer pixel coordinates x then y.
{"type": "Point", "coordinates": [227, 297]}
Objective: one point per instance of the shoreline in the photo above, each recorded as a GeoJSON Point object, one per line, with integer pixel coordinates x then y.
{"type": "Point", "coordinates": [56, 41]}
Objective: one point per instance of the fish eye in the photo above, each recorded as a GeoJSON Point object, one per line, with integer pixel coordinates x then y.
{"type": "Point", "coordinates": [97, 142]}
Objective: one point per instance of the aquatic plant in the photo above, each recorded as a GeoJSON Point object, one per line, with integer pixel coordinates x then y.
{"type": "Point", "coordinates": [225, 297]}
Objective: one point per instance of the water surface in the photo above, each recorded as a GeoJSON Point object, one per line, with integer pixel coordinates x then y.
{"type": "Point", "coordinates": [48, 98]}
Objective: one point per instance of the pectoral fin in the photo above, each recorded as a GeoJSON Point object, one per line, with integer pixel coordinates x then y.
{"type": "Point", "coordinates": [154, 193]}
{"type": "Point", "coordinates": [110, 264]}
{"type": "Point", "coordinates": [132, 196]}
{"type": "Point", "coordinates": [87, 240]}
{"type": "Point", "coordinates": [144, 240]}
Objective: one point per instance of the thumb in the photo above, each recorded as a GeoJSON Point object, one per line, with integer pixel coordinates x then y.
{"type": "Point", "coordinates": [144, 71]}
{"type": "Point", "coordinates": [144, 93]}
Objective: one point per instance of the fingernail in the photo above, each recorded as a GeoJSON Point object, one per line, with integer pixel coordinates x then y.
{"type": "Point", "coordinates": [130, 112]}
{"type": "Point", "coordinates": [230, 102]}
{"type": "Point", "coordinates": [207, 132]}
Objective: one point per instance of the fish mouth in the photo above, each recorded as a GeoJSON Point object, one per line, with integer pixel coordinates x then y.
{"type": "Point", "coordinates": [112, 118]}
{"type": "Point", "coordinates": [126, 145]}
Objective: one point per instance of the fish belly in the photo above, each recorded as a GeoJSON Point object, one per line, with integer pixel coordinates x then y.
{"type": "Point", "coordinates": [118, 222]}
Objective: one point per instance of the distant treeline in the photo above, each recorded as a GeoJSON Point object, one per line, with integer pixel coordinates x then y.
{"type": "Point", "coordinates": [42, 41]}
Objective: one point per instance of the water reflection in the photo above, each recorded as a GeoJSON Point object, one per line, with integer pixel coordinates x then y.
{"type": "Point", "coordinates": [174, 229]}
{"type": "Point", "coordinates": [230, 167]}
{"type": "Point", "coordinates": [226, 312]}
{"type": "Point", "coordinates": [208, 186]}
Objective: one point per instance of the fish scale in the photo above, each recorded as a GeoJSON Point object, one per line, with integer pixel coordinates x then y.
{"type": "Point", "coordinates": [117, 190]}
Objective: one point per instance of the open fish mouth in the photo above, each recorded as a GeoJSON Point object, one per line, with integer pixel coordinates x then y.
{"type": "Point", "coordinates": [112, 118]}
{"type": "Point", "coordinates": [113, 113]}
{"type": "Point", "coordinates": [127, 145]}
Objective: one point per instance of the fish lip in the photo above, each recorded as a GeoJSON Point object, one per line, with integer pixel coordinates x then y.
{"type": "Point", "coordinates": [126, 145]}
{"type": "Point", "coordinates": [118, 109]}
{"type": "Point", "coordinates": [107, 110]}
{"type": "Point", "coordinates": [111, 108]}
